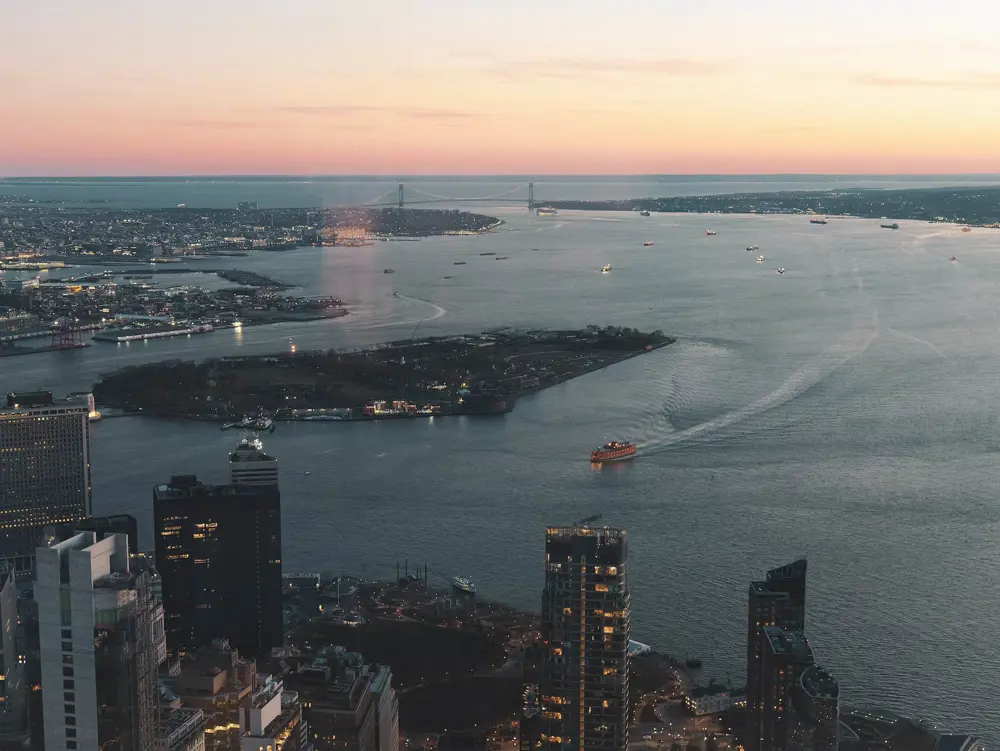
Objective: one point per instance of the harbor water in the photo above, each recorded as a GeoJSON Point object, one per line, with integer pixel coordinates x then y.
{"type": "Point", "coordinates": [846, 411]}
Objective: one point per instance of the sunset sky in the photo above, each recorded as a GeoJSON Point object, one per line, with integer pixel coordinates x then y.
{"type": "Point", "coordinates": [119, 87]}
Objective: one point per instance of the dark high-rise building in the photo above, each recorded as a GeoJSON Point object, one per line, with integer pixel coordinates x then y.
{"type": "Point", "coordinates": [785, 656]}
{"type": "Point", "coordinates": [218, 551]}
{"type": "Point", "coordinates": [13, 691]}
{"type": "Point", "coordinates": [584, 686]}
{"type": "Point", "coordinates": [44, 470]}
{"type": "Point", "coordinates": [779, 601]}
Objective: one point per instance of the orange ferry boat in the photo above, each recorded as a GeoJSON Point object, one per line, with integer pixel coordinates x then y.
{"type": "Point", "coordinates": [613, 451]}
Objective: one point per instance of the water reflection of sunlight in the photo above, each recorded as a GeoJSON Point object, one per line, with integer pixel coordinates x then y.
{"type": "Point", "coordinates": [238, 333]}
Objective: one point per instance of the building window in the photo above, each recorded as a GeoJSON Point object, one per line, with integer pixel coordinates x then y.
{"type": "Point", "coordinates": [67, 659]}
{"type": "Point", "coordinates": [67, 646]}
{"type": "Point", "coordinates": [68, 685]}
{"type": "Point", "coordinates": [71, 732]}
{"type": "Point", "coordinates": [71, 745]}
{"type": "Point", "coordinates": [67, 672]}
{"type": "Point", "coordinates": [69, 708]}
{"type": "Point", "coordinates": [69, 696]}
{"type": "Point", "coordinates": [71, 721]}
{"type": "Point", "coordinates": [67, 633]}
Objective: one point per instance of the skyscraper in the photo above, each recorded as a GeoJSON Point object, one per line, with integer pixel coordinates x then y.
{"type": "Point", "coordinates": [785, 656]}
{"type": "Point", "coordinates": [817, 697]}
{"type": "Point", "coordinates": [13, 692]}
{"type": "Point", "coordinates": [101, 640]}
{"type": "Point", "coordinates": [585, 628]}
{"type": "Point", "coordinates": [44, 470]}
{"type": "Point", "coordinates": [779, 600]}
{"type": "Point", "coordinates": [218, 550]}
{"type": "Point", "coordinates": [249, 465]}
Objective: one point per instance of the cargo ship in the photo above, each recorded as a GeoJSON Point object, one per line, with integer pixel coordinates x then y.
{"type": "Point", "coordinates": [613, 451]}
{"type": "Point", "coordinates": [817, 221]}
{"type": "Point", "coordinates": [545, 211]}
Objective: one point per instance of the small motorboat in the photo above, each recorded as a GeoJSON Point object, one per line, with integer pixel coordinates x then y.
{"type": "Point", "coordinates": [953, 258]}
{"type": "Point", "coordinates": [760, 259]}
{"type": "Point", "coordinates": [643, 213]}
{"type": "Point", "coordinates": [395, 294]}
{"type": "Point", "coordinates": [647, 244]}
{"type": "Point", "coordinates": [781, 269]}
{"type": "Point", "coordinates": [307, 473]}
{"type": "Point", "coordinates": [751, 248]}
{"type": "Point", "coordinates": [966, 229]}
{"type": "Point", "coordinates": [606, 268]}
{"type": "Point", "coordinates": [710, 233]}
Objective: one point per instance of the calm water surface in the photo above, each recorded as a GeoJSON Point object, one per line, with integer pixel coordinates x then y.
{"type": "Point", "coordinates": [846, 411]}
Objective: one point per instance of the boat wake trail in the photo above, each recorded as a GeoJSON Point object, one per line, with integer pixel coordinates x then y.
{"type": "Point", "coordinates": [438, 310]}
{"type": "Point", "coordinates": [797, 383]}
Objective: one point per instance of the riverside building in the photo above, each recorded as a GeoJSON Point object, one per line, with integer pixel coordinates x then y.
{"type": "Point", "coordinates": [218, 550]}
{"type": "Point", "coordinates": [44, 471]}
{"type": "Point", "coordinates": [584, 686]}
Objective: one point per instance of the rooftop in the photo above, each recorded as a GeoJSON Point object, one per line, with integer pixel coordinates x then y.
{"type": "Point", "coordinates": [788, 643]}
{"type": "Point", "coordinates": [819, 684]}
{"type": "Point", "coordinates": [188, 486]}
{"type": "Point", "coordinates": [713, 689]}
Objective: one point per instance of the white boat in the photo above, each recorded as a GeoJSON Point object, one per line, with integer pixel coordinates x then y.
{"type": "Point", "coordinates": [606, 268]}
{"type": "Point", "coordinates": [464, 585]}
{"type": "Point", "coordinates": [710, 232]}
{"type": "Point", "coordinates": [760, 259]}
{"type": "Point", "coordinates": [781, 269]}
{"type": "Point", "coordinates": [545, 211]}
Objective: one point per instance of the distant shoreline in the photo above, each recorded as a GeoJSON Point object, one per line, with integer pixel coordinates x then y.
{"type": "Point", "coordinates": [972, 207]}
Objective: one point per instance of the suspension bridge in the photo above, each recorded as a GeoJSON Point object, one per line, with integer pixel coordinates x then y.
{"type": "Point", "coordinates": [402, 195]}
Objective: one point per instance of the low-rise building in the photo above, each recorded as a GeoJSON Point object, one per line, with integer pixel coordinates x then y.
{"type": "Point", "coordinates": [711, 699]}
{"type": "Point", "coordinates": [181, 729]}
{"type": "Point", "coordinates": [958, 743]}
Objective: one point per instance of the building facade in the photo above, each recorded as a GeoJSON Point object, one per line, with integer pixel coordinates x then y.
{"type": "Point", "coordinates": [218, 549]}
{"type": "Point", "coordinates": [785, 656]}
{"type": "Point", "coordinates": [712, 699]}
{"type": "Point", "coordinates": [101, 638]}
{"type": "Point", "coordinates": [273, 719]}
{"type": "Point", "coordinates": [13, 691]}
{"type": "Point", "coordinates": [346, 704]}
{"type": "Point", "coordinates": [818, 699]}
{"type": "Point", "coordinates": [44, 471]}
{"type": "Point", "coordinates": [778, 601]}
{"type": "Point", "coordinates": [584, 686]}
{"type": "Point", "coordinates": [181, 729]}
{"type": "Point", "coordinates": [249, 465]}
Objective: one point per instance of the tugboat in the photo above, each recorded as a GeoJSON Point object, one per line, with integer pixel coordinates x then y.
{"type": "Point", "coordinates": [613, 451]}
{"type": "Point", "coordinates": [643, 213]}
{"type": "Point", "coordinates": [890, 226]}
{"type": "Point", "coordinates": [710, 233]}
{"type": "Point", "coordinates": [606, 268]}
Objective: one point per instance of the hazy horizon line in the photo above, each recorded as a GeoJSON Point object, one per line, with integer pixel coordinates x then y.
{"type": "Point", "coordinates": [505, 175]}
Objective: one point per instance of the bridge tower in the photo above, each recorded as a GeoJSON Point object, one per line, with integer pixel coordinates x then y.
{"type": "Point", "coordinates": [401, 195]}
{"type": "Point", "coordinates": [531, 196]}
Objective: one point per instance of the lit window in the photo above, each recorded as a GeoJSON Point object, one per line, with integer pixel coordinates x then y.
{"type": "Point", "coordinates": [601, 587]}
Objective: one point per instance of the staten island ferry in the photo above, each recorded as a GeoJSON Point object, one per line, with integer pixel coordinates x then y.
{"type": "Point", "coordinates": [613, 451]}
